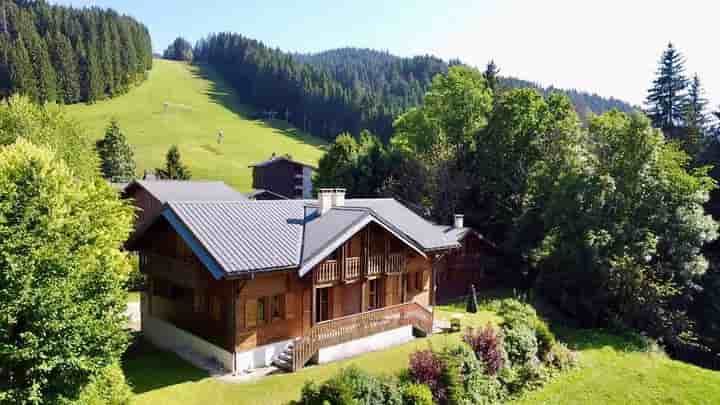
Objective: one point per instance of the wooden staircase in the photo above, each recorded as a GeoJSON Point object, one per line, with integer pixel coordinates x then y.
{"type": "Point", "coordinates": [336, 331]}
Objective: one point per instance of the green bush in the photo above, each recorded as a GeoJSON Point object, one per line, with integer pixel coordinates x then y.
{"type": "Point", "coordinates": [416, 394]}
{"type": "Point", "coordinates": [474, 386]}
{"type": "Point", "coordinates": [352, 386]}
{"type": "Point", "coordinates": [515, 312]}
{"type": "Point", "coordinates": [455, 324]}
{"type": "Point", "coordinates": [520, 343]}
{"type": "Point", "coordinates": [545, 338]}
{"type": "Point", "coordinates": [106, 388]}
{"type": "Point", "coordinates": [136, 280]}
{"type": "Point", "coordinates": [560, 357]}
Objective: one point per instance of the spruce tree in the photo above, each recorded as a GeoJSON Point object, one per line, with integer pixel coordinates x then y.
{"type": "Point", "coordinates": [44, 73]}
{"type": "Point", "coordinates": [65, 62]}
{"type": "Point", "coordinates": [174, 168]}
{"type": "Point", "coordinates": [492, 76]}
{"type": "Point", "coordinates": [116, 155]}
{"type": "Point", "coordinates": [21, 71]}
{"type": "Point", "coordinates": [667, 98]}
{"type": "Point", "coordinates": [695, 111]}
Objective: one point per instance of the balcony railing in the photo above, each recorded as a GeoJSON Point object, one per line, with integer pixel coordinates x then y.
{"type": "Point", "coordinates": [327, 272]}
{"type": "Point", "coordinates": [376, 265]}
{"type": "Point", "coordinates": [396, 263]}
{"type": "Point", "coordinates": [345, 329]}
{"type": "Point", "coordinates": [353, 269]}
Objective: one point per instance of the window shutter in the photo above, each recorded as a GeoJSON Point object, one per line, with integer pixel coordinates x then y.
{"type": "Point", "coordinates": [250, 313]}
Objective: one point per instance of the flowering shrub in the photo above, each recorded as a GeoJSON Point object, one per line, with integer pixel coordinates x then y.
{"type": "Point", "coordinates": [560, 357]}
{"type": "Point", "coordinates": [426, 367]}
{"type": "Point", "coordinates": [487, 344]}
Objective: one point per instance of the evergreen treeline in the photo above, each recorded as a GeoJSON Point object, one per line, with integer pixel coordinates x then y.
{"type": "Point", "coordinates": [342, 90]}
{"type": "Point", "coordinates": [179, 49]}
{"type": "Point", "coordinates": [54, 53]}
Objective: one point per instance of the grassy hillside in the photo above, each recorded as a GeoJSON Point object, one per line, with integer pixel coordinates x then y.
{"type": "Point", "coordinates": [199, 105]}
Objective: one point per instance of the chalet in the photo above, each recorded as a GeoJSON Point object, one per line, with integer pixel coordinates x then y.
{"type": "Point", "coordinates": [284, 176]}
{"type": "Point", "coordinates": [248, 283]}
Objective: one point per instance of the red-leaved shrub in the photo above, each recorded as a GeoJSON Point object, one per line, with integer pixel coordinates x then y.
{"type": "Point", "coordinates": [426, 368]}
{"type": "Point", "coordinates": [488, 347]}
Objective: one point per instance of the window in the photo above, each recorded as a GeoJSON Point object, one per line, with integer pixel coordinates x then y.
{"type": "Point", "coordinates": [278, 307]}
{"type": "Point", "coordinates": [215, 308]}
{"type": "Point", "coordinates": [261, 305]}
{"type": "Point", "coordinates": [322, 312]}
{"type": "Point", "coordinates": [374, 299]}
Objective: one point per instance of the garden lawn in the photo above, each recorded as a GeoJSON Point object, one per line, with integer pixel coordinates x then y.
{"type": "Point", "coordinates": [611, 371]}
{"type": "Point", "coordinates": [200, 103]}
{"type": "Point", "coordinates": [133, 296]}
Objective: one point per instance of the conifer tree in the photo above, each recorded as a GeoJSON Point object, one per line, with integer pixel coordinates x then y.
{"type": "Point", "coordinates": [21, 71]}
{"type": "Point", "coordinates": [116, 155]}
{"type": "Point", "coordinates": [667, 98]}
{"type": "Point", "coordinates": [695, 111]}
{"type": "Point", "coordinates": [44, 73]}
{"type": "Point", "coordinates": [65, 62]}
{"type": "Point", "coordinates": [492, 73]}
{"type": "Point", "coordinates": [174, 168]}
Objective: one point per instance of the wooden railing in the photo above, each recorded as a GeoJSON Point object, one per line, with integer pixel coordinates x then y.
{"type": "Point", "coordinates": [396, 263]}
{"type": "Point", "coordinates": [327, 272]}
{"type": "Point", "coordinates": [353, 269]}
{"type": "Point", "coordinates": [376, 265]}
{"type": "Point", "coordinates": [345, 329]}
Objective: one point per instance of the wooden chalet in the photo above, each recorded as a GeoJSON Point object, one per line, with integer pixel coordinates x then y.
{"type": "Point", "coordinates": [250, 283]}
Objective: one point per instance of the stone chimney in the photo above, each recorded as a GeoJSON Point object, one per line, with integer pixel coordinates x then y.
{"type": "Point", "coordinates": [459, 222]}
{"type": "Point", "coordinates": [329, 198]}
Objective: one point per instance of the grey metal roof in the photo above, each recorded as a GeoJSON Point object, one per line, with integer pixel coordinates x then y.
{"type": "Point", "coordinates": [456, 234]}
{"type": "Point", "coordinates": [249, 236]}
{"type": "Point", "coordinates": [246, 236]}
{"type": "Point", "coordinates": [422, 231]}
{"type": "Point", "coordinates": [178, 190]}
{"type": "Point", "coordinates": [260, 192]}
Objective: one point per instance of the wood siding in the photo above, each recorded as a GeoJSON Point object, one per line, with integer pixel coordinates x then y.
{"type": "Point", "coordinates": [279, 177]}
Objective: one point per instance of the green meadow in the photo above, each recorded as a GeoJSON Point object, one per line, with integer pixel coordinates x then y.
{"type": "Point", "coordinates": [199, 105]}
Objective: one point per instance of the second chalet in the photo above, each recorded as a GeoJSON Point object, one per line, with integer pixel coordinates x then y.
{"type": "Point", "coordinates": [250, 283]}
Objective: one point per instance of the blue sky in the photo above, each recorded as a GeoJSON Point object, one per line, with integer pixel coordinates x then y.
{"type": "Point", "coordinates": [610, 47]}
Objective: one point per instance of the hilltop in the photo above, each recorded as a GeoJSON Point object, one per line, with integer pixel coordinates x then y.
{"type": "Point", "coordinates": [200, 104]}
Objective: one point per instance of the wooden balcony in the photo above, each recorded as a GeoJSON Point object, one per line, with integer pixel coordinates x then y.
{"type": "Point", "coordinates": [396, 263]}
{"type": "Point", "coordinates": [353, 269]}
{"type": "Point", "coordinates": [376, 265]}
{"type": "Point", "coordinates": [341, 330]}
{"type": "Point", "coordinates": [327, 272]}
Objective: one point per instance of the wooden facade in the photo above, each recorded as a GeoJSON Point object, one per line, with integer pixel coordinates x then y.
{"type": "Point", "coordinates": [464, 267]}
{"type": "Point", "coordinates": [372, 282]}
{"type": "Point", "coordinates": [281, 176]}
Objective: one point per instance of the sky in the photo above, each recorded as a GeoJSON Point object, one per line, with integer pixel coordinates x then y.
{"type": "Point", "coordinates": [609, 47]}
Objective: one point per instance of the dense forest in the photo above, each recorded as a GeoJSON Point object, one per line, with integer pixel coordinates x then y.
{"type": "Point", "coordinates": [68, 55]}
{"type": "Point", "coordinates": [343, 90]}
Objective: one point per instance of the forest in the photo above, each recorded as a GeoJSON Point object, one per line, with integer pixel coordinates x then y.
{"type": "Point", "coordinates": [59, 54]}
{"type": "Point", "coordinates": [613, 221]}
{"type": "Point", "coordinates": [342, 90]}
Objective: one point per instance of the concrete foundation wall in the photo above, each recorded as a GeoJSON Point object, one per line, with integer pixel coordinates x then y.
{"type": "Point", "coordinates": [260, 356]}
{"type": "Point", "coordinates": [378, 341]}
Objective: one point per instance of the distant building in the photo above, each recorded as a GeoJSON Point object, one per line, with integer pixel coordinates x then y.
{"type": "Point", "coordinates": [284, 176]}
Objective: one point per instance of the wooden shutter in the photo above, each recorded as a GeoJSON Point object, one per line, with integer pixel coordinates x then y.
{"type": "Point", "coordinates": [250, 313]}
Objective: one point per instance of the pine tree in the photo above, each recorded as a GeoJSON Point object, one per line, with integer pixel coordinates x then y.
{"type": "Point", "coordinates": [65, 62]}
{"type": "Point", "coordinates": [492, 73]}
{"type": "Point", "coordinates": [116, 155]}
{"type": "Point", "coordinates": [667, 98]}
{"type": "Point", "coordinates": [21, 71]}
{"type": "Point", "coordinates": [695, 111]}
{"type": "Point", "coordinates": [174, 168]}
{"type": "Point", "coordinates": [44, 73]}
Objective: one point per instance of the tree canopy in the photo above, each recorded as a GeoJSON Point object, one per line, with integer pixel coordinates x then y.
{"type": "Point", "coordinates": [174, 168]}
{"type": "Point", "coordinates": [61, 277]}
{"type": "Point", "coordinates": [116, 156]}
{"type": "Point", "coordinates": [179, 49]}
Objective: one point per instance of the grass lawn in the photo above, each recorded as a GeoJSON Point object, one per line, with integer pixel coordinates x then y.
{"type": "Point", "coordinates": [200, 105]}
{"type": "Point", "coordinates": [611, 371]}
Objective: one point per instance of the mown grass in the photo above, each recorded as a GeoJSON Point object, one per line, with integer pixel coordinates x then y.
{"type": "Point", "coordinates": [613, 370]}
{"type": "Point", "coordinates": [200, 103]}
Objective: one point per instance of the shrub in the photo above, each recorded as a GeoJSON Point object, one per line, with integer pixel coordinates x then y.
{"type": "Point", "coordinates": [520, 344]}
{"type": "Point", "coordinates": [516, 312]}
{"type": "Point", "coordinates": [545, 338]}
{"type": "Point", "coordinates": [451, 376]}
{"type": "Point", "coordinates": [136, 280]}
{"type": "Point", "coordinates": [476, 386]}
{"type": "Point", "coordinates": [352, 386]}
{"type": "Point", "coordinates": [455, 324]}
{"type": "Point", "coordinates": [426, 368]}
{"type": "Point", "coordinates": [106, 388]}
{"type": "Point", "coordinates": [417, 394]}
{"type": "Point", "coordinates": [560, 357]}
{"type": "Point", "coordinates": [487, 344]}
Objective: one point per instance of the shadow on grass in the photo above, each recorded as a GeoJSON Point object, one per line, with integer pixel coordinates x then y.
{"type": "Point", "coordinates": [148, 368]}
{"type": "Point", "coordinates": [223, 94]}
